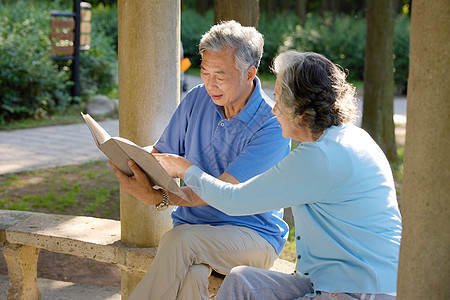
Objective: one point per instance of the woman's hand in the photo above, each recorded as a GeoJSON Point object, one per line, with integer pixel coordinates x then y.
{"type": "Point", "coordinates": [137, 185]}
{"type": "Point", "coordinates": [175, 165]}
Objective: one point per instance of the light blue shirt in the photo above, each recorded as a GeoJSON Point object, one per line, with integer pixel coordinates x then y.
{"type": "Point", "coordinates": [244, 146]}
{"type": "Point", "coordinates": [343, 199]}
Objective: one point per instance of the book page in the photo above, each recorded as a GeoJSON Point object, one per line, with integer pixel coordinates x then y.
{"type": "Point", "coordinates": [156, 174]}
{"type": "Point", "coordinates": [100, 135]}
{"type": "Point", "coordinates": [120, 151]}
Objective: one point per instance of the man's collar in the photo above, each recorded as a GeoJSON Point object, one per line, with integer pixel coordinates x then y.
{"type": "Point", "coordinates": [252, 105]}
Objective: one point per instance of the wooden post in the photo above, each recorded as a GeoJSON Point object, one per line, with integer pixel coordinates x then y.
{"type": "Point", "coordinates": [149, 91]}
{"type": "Point", "coordinates": [245, 12]}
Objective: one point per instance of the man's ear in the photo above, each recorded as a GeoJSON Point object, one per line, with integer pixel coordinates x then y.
{"type": "Point", "coordinates": [250, 73]}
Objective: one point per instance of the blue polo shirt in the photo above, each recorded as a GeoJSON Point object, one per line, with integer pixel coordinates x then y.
{"type": "Point", "coordinates": [244, 146]}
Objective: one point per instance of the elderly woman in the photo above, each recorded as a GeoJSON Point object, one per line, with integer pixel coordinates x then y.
{"type": "Point", "coordinates": [338, 183]}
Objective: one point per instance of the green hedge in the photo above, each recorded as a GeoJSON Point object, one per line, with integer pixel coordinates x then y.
{"type": "Point", "coordinates": [31, 84]}
{"type": "Point", "coordinates": [193, 26]}
{"type": "Point", "coordinates": [342, 39]}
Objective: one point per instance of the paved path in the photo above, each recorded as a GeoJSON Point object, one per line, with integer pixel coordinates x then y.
{"type": "Point", "coordinates": [52, 146]}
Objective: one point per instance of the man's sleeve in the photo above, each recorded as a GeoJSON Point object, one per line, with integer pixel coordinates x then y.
{"type": "Point", "coordinates": [267, 148]}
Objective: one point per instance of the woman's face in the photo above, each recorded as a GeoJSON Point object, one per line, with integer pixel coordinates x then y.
{"type": "Point", "coordinates": [289, 126]}
{"type": "Point", "coordinates": [283, 113]}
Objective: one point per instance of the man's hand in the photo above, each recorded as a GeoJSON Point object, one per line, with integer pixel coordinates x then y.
{"type": "Point", "coordinates": [175, 165]}
{"type": "Point", "coordinates": [137, 185]}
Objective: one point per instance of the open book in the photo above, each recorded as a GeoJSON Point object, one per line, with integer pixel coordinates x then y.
{"type": "Point", "coordinates": [120, 151]}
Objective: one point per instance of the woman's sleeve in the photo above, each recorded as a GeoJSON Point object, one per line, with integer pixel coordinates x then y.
{"type": "Point", "coordinates": [302, 177]}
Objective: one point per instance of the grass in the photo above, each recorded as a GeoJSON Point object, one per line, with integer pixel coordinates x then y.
{"type": "Point", "coordinates": [89, 189]}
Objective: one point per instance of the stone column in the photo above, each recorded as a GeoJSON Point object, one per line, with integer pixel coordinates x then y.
{"type": "Point", "coordinates": [149, 85]}
{"type": "Point", "coordinates": [425, 248]}
{"type": "Point", "coordinates": [22, 270]}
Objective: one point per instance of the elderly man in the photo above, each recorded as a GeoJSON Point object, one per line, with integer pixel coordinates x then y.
{"type": "Point", "coordinates": [226, 127]}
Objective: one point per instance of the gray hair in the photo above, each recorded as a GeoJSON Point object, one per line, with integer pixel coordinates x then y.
{"type": "Point", "coordinates": [311, 84]}
{"type": "Point", "coordinates": [247, 41]}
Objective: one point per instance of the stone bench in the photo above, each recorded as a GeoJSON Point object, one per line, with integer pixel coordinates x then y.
{"type": "Point", "coordinates": [25, 233]}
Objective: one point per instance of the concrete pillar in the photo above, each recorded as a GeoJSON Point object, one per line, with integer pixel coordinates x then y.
{"type": "Point", "coordinates": [22, 270]}
{"type": "Point", "coordinates": [149, 85]}
{"type": "Point", "coordinates": [425, 248]}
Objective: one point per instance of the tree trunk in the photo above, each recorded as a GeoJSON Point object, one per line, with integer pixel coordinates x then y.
{"type": "Point", "coordinates": [300, 9]}
{"type": "Point", "coordinates": [269, 8]}
{"type": "Point", "coordinates": [285, 5]}
{"type": "Point", "coordinates": [202, 6]}
{"type": "Point", "coordinates": [378, 109]}
{"type": "Point", "coordinates": [328, 5]}
{"type": "Point", "coordinates": [245, 12]}
{"type": "Point", "coordinates": [425, 248]}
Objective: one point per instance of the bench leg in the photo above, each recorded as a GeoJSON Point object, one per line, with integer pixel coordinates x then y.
{"type": "Point", "coordinates": [129, 280]}
{"type": "Point", "coordinates": [22, 271]}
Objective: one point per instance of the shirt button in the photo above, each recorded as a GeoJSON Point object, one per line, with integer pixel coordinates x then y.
{"type": "Point", "coordinates": [298, 237]}
{"type": "Point", "coordinates": [299, 256]}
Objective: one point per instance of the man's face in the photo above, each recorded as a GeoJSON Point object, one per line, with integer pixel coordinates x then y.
{"type": "Point", "coordinates": [223, 81]}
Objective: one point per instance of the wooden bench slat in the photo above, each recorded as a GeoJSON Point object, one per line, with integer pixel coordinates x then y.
{"type": "Point", "coordinates": [65, 50]}
{"type": "Point", "coordinates": [57, 36]}
{"type": "Point", "coordinates": [62, 24]}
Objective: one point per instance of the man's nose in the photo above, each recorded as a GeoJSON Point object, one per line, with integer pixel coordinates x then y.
{"type": "Point", "coordinates": [210, 82]}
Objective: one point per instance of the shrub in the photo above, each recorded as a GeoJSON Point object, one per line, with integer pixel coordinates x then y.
{"type": "Point", "coordinates": [104, 20]}
{"type": "Point", "coordinates": [193, 26]}
{"type": "Point", "coordinates": [98, 66]}
{"type": "Point", "coordinates": [274, 30]}
{"type": "Point", "coordinates": [30, 83]}
{"type": "Point", "coordinates": [401, 52]}
{"type": "Point", "coordinates": [342, 39]}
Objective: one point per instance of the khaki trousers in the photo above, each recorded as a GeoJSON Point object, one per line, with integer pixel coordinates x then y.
{"type": "Point", "coordinates": [187, 253]}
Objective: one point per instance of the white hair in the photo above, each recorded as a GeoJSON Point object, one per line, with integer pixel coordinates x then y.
{"type": "Point", "coordinates": [247, 42]}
